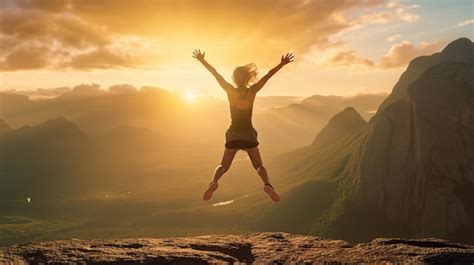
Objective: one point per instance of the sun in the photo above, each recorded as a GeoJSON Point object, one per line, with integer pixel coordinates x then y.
{"type": "Point", "coordinates": [190, 96]}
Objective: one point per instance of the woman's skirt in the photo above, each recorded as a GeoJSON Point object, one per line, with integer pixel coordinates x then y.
{"type": "Point", "coordinates": [241, 138]}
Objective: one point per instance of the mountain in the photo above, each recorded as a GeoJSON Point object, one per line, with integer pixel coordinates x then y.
{"type": "Point", "coordinates": [94, 110]}
{"type": "Point", "coordinates": [4, 127]}
{"type": "Point", "coordinates": [417, 164]}
{"type": "Point", "coordinates": [13, 103]}
{"type": "Point", "coordinates": [409, 172]}
{"type": "Point", "coordinates": [48, 131]}
{"type": "Point", "coordinates": [131, 139]}
{"type": "Point", "coordinates": [259, 248]}
{"type": "Point", "coordinates": [341, 125]}
{"type": "Point", "coordinates": [367, 104]}
{"type": "Point", "coordinates": [297, 123]}
{"type": "Point", "coordinates": [460, 50]}
{"type": "Point", "coordinates": [45, 160]}
{"type": "Point", "coordinates": [266, 102]}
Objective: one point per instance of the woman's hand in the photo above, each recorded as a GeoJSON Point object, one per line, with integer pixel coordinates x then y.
{"type": "Point", "coordinates": [199, 55]}
{"type": "Point", "coordinates": [286, 59]}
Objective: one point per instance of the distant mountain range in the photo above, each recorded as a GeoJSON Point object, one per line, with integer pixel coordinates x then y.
{"type": "Point", "coordinates": [278, 119]}
{"type": "Point", "coordinates": [296, 124]}
{"type": "Point", "coordinates": [409, 172]}
{"type": "Point", "coordinates": [4, 127]}
{"type": "Point", "coordinates": [52, 158]}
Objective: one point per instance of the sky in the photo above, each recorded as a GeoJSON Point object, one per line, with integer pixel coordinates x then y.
{"type": "Point", "coordinates": [341, 47]}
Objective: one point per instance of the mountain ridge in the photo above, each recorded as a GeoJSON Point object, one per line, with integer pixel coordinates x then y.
{"type": "Point", "coordinates": [4, 127]}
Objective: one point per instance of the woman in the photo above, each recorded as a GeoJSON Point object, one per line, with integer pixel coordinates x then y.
{"type": "Point", "coordinates": [241, 134]}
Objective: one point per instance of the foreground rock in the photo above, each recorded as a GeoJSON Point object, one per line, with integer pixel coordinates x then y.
{"type": "Point", "coordinates": [258, 247]}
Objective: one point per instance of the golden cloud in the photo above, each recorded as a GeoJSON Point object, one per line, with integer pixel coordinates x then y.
{"type": "Point", "coordinates": [117, 33]}
{"type": "Point", "coordinates": [41, 93]}
{"type": "Point", "coordinates": [26, 58]}
{"type": "Point", "coordinates": [348, 58]}
{"type": "Point", "coordinates": [99, 58]}
{"type": "Point", "coordinates": [399, 55]}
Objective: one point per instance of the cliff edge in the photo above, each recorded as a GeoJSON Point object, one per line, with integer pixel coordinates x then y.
{"type": "Point", "coordinates": [259, 247]}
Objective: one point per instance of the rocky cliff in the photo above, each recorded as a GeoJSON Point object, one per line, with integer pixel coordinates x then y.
{"type": "Point", "coordinates": [418, 163]}
{"type": "Point", "coordinates": [261, 248]}
{"type": "Point", "coordinates": [410, 171]}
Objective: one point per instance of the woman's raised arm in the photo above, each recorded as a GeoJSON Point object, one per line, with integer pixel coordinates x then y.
{"type": "Point", "coordinates": [285, 59]}
{"type": "Point", "coordinates": [222, 82]}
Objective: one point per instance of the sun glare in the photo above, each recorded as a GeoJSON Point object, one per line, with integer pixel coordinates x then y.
{"type": "Point", "coordinates": [189, 96]}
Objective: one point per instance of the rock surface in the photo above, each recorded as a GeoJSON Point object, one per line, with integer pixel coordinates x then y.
{"type": "Point", "coordinates": [259, 247]}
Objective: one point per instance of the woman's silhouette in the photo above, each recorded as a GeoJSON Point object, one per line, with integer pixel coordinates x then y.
{"type": "Point", "coordinates": [241, 134]}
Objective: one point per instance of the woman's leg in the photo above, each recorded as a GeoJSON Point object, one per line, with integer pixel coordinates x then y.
{"type": "Point", "coordinates": [256, 159]}
{"type": "Point", "coordinates": [226, 161]}
{"type": "Point", "coordinates": [227, 158]}
{"type": "Point", "coordinates": [257, 163]}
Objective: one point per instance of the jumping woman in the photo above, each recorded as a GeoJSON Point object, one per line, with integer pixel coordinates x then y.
{"type": "Point", "coordinates": [241, 133]}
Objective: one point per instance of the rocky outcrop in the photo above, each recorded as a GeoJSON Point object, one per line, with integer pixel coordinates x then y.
{"type": "Point", "coordinates": [261, 248]}
{"type": "Point", "coordinates": [341, 125]}
{"type": "Point", "coordinates": [414, 167]}
{"type": "Point", "coordinates": [418, 163]}
{"type": "Point", "coordinates": [410, 171]}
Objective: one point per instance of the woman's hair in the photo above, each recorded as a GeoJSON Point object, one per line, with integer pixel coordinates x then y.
{"type": "Point", "coordinates": [245, 74]}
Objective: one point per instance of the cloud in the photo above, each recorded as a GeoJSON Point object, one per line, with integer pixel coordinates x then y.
{"type": "Point", "coordinates": [79, 90]}
{"type": "Point", "coordinates": [374, 18]}
{"type": "Point", "coordinates": [99, 58]}
{"type": "Point", "coordinates": [123, 88]}
{"type": "Point", "coordinates": [403, 11]}
{"type": "Point", "coordinates": [86, 30]}
{"type": "Point", "coordinates": [259, 30]}
{"type": "Point", "coordinates": [401, 54]}
{"type": "Point", "coordinates": [348, 58]}
{"type": "Point", "coordinates": [394, 37]}
{"type": "Point", "coordinates": [7, 43]}
{"type": "Point", "coordinates": [41, 93]}
{"type": "Point", "coordinates": [64, 28]}
{"type": "Point", "coordinates": [394, 11]}
{"type": "Point", "coordinates": [45, 5]}
{"type": "Point", "coordinates": [26, 58]}
{"type": "Point", "coordinates": [35, 39]}
{"type": "Point", "coordinates": [465, 23]}
{"type": "Point", "coordinates": [84, 35]}
{"type": "Point", "coordinates": [85, 90]}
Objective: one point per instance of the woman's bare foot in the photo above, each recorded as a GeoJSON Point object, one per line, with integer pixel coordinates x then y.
{"type": "Point", "coordinates": [212, 187]}
{"type": "Point", "coordinates": [271, 192]}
